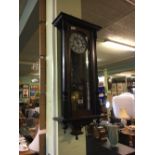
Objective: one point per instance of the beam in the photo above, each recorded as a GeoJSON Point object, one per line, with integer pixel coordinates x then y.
{"type": "Point", "coordinates": [118, 67]}
{"type": "Point", "coordinates": [26, 14]}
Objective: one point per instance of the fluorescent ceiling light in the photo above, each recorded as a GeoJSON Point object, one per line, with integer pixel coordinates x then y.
{"type": "Point", "coordinates": [99, 60]}
{"type": "Point", "coordinates": [34, 80]}
{"type": "Point", "coordinates": [118, 46]}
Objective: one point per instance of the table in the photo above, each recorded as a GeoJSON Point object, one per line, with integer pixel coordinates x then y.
{"type": "Point", "coordinates": [125, 150]}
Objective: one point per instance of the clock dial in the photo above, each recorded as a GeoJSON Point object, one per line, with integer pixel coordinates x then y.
{"type": "Point", "coordinates": [78, 42]}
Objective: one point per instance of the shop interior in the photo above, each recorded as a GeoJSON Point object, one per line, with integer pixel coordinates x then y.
{"type": "Point", "coordinates": [116, 65]}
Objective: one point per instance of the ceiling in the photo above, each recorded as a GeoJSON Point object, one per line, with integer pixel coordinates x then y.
{"type": "Point", "coordinates": [117, 19]}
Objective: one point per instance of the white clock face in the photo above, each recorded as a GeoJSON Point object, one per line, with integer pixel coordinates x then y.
{"type": "Point", "coordinates": [77, 42]}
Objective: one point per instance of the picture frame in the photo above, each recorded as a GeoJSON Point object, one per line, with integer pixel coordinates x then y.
{"type": "Point", "coordinates": [34, 90]}
{"type": "Point", "coordinates": [25, 91]}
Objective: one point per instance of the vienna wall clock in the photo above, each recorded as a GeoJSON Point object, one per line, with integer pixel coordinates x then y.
{"type": "Point", "coordinates": [79, 80]}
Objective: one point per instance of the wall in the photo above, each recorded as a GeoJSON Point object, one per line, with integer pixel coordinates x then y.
{"type": "Point", "coordinates": [67, 144]}
{"type": "Point", "coordinates": [72, 7]}
{"type": "Point", "coordinates": [27, 79]}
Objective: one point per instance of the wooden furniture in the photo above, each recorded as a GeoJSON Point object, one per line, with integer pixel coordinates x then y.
{"type": "Point", "coordinates": [127, 137]}
{"type": "Point", "coordinates": [122, 84]}
{"type": "Point", "coordinates": [29, 152]}
{"type": "Point", "coordinates": [95, 147]}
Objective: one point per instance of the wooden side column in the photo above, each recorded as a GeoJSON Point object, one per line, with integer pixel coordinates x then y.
{"type": "Point", "coordinates": [106, 80]}
{"type": "Point", "coordinates": [42, 61]}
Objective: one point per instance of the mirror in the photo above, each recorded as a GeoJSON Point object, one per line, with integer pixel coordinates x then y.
{"type": "Point", "coordinates": [28, 111]}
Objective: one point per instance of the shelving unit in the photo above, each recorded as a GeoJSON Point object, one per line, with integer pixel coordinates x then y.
{"type": "Point", "coordinates": [101, 91]}
{"type": "Point", "coordinates": [122, 84]}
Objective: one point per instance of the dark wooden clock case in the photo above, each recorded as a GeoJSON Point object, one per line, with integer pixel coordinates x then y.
{"type": "Point", "coordinates": [79, 84]}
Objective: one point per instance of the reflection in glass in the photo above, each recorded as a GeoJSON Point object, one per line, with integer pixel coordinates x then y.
{"type": "Point", "coordinates": [80, 95]}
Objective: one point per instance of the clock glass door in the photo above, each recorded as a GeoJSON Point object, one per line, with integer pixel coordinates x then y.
{"type": "Point", "coordinates": [80, 95]}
